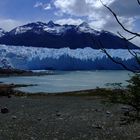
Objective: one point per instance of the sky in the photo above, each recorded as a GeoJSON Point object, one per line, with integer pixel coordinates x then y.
{"type": "Point", "coordinates": [14, 13]}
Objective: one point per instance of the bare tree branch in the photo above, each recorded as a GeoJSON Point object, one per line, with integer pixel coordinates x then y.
{"type": "Point", "coordinates": [131, 38]}
{"type": "Point", "coordinates": [100, 45]}
{"type": "Point", "coordinates": [117, 19]}
{"type": "Point", "coordinates": [138, 2]}
{"type": "Point", "coordinates": [133, 53]}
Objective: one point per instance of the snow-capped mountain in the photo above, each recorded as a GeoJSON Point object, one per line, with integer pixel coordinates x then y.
{"type": "Point", "coordinates": [51, 27]}
{"type": "Point", "coordinates": [51, 35]}
{"type": "Point", "coordinates": [2, 32]}
{"type": "Point", "coordinates": [85, 28]}
{"type": "Point", "coordinates": [33, 58]}
{"type": "Point", "coordinates": [37, 28]}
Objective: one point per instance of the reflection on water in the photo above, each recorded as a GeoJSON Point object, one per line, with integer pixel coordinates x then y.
{"type": "Point", "coordinates": [64, 81]}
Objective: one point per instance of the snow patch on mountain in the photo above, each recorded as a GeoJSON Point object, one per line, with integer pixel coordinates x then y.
{"type": "Point", "coordinates": [21, 30]}
{"type": "Point", "coordinates": [84, 27]}
{"type": "Point", "coordinates": [56, 30]}
{"type": "Point", "coordinates": [2, 32]}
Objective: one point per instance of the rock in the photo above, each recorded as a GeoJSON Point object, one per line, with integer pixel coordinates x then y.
{"type": "Point", "coordinates": [39, 119]}
{"type": "Point", "coordinates": [60, 118]}
{"type": "Point", "coordinates": [138, 138]}
{"type": "Point", "coordinates": [14, 117]}
{"type": "Point", "coordinates": [107, 112]}
{"type": "Point", "coordinates": [125, 107]}
{"type": "Point", "coordinates": [58, 114]}
{"type": "Point", "coordinates": [4, 110]}
{"type": "Point", "coordinates": [97, 110]}
{"type": "Point", "coordinates": [97, 126]}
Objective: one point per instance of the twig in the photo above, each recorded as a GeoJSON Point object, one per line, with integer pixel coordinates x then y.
{"type": "Point", "coordinates": [138, 2]}
{"type": "Point", "coordinates": [117, 19]}
{"type": "Point", "coordinates": [117, 62]}
{"type": "Point", "coordinates": [131, 38]}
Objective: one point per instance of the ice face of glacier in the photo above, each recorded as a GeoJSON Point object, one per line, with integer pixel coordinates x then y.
{"type": "Point", "coordinates": [32, 58]}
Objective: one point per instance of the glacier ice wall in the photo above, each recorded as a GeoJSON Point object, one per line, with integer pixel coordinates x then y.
{"type": "Point", "coordinates": [33, 58]}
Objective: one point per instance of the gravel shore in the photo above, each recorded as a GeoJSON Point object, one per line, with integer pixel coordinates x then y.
{"type": "Point", "coordinates": [63, 118]}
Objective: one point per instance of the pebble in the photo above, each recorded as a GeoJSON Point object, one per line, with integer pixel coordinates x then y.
{"type": "Point", "coordinates": [97, 126]}
{"type": "Point", "coordinates": [138, 138]}
{"type": "Point", "coordinates": [39, 119]}
{"type": "Point", "coordinates": [60, 118]}
{"type": "Point", "coordinates": [97, 110]}
{"type": "Point", "coordinates": [4, 110]}
{"type": "Point", "coordinates": [58, 114]}
{"type": "Point", "coordinates": [107, 112]}
{"type": "Point", "coordinates": [125, 107]}
{"type": "Point", "coordinates": [14, 117]}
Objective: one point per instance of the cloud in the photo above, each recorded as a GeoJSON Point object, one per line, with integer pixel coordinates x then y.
{"type": "Point", "coordinates": [8, 24]}
{"type": "Point", "coordinates": [69, 21]}
{"type": "Point", "coordinates": [79, 7]}
{"type": "Point", "coordinates": [98, 16]}
{"type": "Point", "coordinates": [127, 8]}
{"type": "Point", "coordinates": [44, 6]}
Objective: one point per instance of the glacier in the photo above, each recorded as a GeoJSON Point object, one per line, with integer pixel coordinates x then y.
{"type": "Point", "coordinates": [33, 58]}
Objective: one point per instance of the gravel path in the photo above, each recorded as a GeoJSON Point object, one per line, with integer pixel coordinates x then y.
{"type": "Point", "coordinates": [63, 118]}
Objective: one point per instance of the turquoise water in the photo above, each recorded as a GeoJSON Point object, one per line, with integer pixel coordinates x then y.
{"type": "Point", "coordinates": [64, 81]}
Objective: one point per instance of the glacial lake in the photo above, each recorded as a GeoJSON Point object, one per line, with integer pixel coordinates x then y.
{"type": "Point", "coordinates": [64, 81]}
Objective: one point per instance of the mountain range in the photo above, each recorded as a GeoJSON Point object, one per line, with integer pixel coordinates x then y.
{"type": "Point", "coordinates": [51, 35]}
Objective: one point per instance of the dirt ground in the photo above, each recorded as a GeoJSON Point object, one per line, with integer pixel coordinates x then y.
{"type": "Point", "coordinates": [63, 118]}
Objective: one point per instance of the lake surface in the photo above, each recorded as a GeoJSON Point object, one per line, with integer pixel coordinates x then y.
{"type": "Point", "coordinates": [63, 81]}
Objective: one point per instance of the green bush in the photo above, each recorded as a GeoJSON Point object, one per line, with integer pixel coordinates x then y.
{"type": "Point", "coordinates": [134, 93]}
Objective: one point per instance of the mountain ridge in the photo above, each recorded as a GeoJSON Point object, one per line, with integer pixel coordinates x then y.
{"type": "Point", "coordinates": [2, 32]}
{"type": "Point", "coordinates": [52, 35]}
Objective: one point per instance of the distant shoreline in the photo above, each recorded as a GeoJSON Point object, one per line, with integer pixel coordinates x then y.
{"type": "Point", "coordinates": [10, 90]}
{"type": "Point", "coordinates": [17, 72]}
